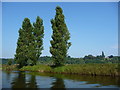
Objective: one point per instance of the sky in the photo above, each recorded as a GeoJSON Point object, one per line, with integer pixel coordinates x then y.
{"type": "Point", "coordinates": [60, 0]}
{"type": "Point", "coordinates": [93, 26]}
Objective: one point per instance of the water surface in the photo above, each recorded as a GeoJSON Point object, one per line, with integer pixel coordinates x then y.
{"type": "Point", "coordinates": [17, 79]}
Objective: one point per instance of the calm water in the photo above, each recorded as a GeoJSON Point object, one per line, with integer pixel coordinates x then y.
{"type": "Point", "coordinates": [16, 79]}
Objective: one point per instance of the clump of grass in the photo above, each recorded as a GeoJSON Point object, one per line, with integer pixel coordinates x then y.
{"type": "Point", "coordinates": [38, 68]}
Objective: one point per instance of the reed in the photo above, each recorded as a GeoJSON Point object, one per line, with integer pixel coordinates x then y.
{"type": "Point", "coordinates": [84, 69]}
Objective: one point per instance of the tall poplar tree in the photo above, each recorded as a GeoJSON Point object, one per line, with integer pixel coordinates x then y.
{"type": "Point", "coordinates": [30, 42]}
{"type": "Point", "coordinates": [60, 37]}
{"type": "Point", "coordinates": [24, 44]}
{"type": "Point", "coordinates": [38, 33]}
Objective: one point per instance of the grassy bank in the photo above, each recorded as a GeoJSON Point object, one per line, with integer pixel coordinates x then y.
{"type": "Point", "coordinates": [9, 67]}
{"type": "Point", "coordinates": [84, 69]}
{"type": "Point", "coordinates": [37, 68]}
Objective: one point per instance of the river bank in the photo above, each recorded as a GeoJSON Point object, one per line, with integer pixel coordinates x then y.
{"type": "Point", "coordinates": [83, 69]}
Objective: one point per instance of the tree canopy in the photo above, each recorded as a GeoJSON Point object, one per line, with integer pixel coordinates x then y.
{"type": "Point", "coordinates": [60, 37]}
{"type": "Point", "coordinates": [29, 45]}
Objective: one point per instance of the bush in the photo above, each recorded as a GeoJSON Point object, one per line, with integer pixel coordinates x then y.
{"type": "Point", "coordinates": [9, 62]}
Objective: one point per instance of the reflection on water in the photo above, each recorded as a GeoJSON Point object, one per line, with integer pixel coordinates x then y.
{"type": "Point", "coordinates": [18, 81]}
{"type": "Point", "coordinates": [36, 80]}
{"type": "Point", "coordinates": [32, 82]}
{"type": "Point", "coordinates": [58, 83]}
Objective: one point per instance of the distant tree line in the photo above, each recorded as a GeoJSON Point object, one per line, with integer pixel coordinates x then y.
{"type": "Point", "coordinates": [84, 60]}
{"type": "Point", "coordinates": [70, 60]}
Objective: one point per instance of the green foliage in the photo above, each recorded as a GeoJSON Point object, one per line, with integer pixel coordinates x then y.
{"type": "Point", "coordinates": [39, 68]}
{"type": "Point", "coordinates": [9, 62]}
{"type": "Point", "coordinates": [24, 44]}
{"type": "Point", "coordinates": [29, 43]}
{"type": "Point", "coordinates": [30, 62]}
{"type": "Point", "coordinates": [5, 61]}
{"type": "Point", "coordinates": [38, 33]}
{"type": "Point", "coordinates": [87, 59]}
{"type": "Point", "coordinates": [10, 67]}
{"type": "Point", "coordinates": [60, 37]}
{"type": "Point", "coordinates": [47, 60]}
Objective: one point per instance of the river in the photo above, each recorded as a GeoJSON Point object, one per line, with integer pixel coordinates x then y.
{"type": "Point", "coordinates": [17, 79]}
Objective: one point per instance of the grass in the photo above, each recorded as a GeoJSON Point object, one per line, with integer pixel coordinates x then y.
{"type": "Point", "coordinates": [84, 69]}
{"type": "Point", "coordinates": [9, 67]}
{"type": "Point", "coordinates": [38, 68]}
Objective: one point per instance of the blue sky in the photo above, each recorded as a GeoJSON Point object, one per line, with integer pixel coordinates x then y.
{"type": "Point", "coordinates": [93, 26]}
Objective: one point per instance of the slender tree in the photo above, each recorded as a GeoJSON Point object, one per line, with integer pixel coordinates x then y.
{"type": "Point", "coordinates": [24, 44]}
{"type": "Point", "coordinates": [19, 56]}
{"type": "Point", "coordinates": [103, 55]}
{"type": "Point", "coordinates": [38, 33]}
{"type": "Point", "coordinates": [60, 37]}
{"type": "Point", "coordinates": [29, 45]}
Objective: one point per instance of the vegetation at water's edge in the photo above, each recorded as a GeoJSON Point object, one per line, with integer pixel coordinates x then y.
{"type": "Point", "coordinates": [83, 69]}
{"type": "Point", "coordinates": [9, 67]}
